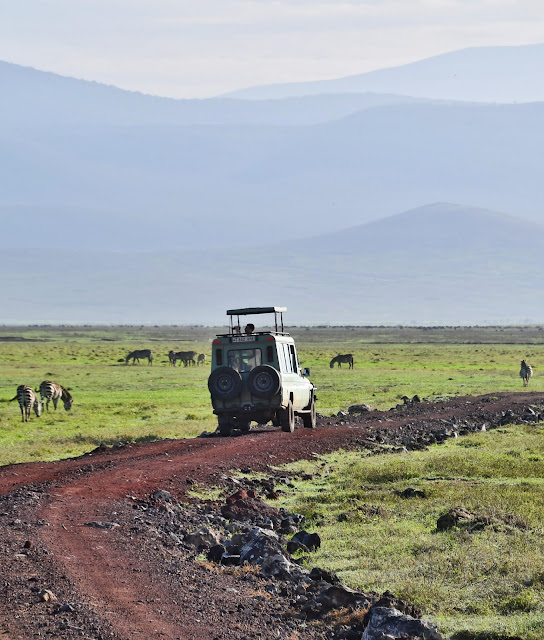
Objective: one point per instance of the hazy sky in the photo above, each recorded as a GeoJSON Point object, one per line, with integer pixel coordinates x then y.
{"type": "Point", "coordinates": [200, 48]}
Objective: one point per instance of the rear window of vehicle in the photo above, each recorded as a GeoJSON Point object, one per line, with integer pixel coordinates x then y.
{"type": "Point", "coordinates": [244, 359]}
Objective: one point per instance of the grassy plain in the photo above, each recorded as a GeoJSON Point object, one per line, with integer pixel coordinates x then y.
{"type": "Point", "coordinates": [485, 584]}
{"type": "Point", "coordinates": [115, 403]}
{"type": "Point", "coordinates": [475, 585]}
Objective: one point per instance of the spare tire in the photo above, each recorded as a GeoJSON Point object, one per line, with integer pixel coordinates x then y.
{"type": "Point", "coordinates": [225, 383]}
{"type": "Point", "coordinates": [263, 381]}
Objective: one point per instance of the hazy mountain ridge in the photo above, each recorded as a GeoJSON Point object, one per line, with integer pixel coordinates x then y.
{"type": "Point", "coordinates": [388, 273]}
{"type": "Point", "coordinates": [192, 207]}
{"type": "Point", "coordinates": [156, 186]}
{"type": "Point", "coordinates": [32, 97]}
{"type": "Point", "coordinates": [483, 74]}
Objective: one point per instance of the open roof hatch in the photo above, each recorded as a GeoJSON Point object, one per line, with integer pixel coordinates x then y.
{"type": "Point", "coordinates": [253, 311]}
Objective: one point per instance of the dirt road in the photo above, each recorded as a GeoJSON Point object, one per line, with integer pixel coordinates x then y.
{"type": "Point", "coordinates": [79, 528]}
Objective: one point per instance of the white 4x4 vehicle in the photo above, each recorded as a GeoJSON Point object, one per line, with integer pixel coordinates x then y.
{"type": "Point", "coordinates": [256, 376]}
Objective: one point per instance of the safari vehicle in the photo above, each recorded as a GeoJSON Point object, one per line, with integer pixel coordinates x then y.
{"type": "Point", "coordinates": [256, 376]}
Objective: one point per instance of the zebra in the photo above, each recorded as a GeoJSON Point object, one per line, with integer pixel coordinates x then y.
{"type": "Point", "coordinates": [187, 357]}
{"type": "Point", "coordinates": [342, 358]}
{"type": "Point", "coordinates": [28, 399]}
{"type": "Point", "coordinates": [136, 355]}
{"type": "Point", "coordinates": [525, 372]}
{"type": "Point", "coordinates": [53, 391]}
{"type": "Point", "coordinates": [201, 359]}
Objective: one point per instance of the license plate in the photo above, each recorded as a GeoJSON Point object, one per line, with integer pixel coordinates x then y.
{"type": "Point", "coordinates": [243, 339]}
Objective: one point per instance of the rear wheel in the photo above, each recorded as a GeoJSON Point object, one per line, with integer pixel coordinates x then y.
{"type": "Point", "coordinates": [309, 419]}
{"type": "Point", "coordinates": [225, 428]}
{"type": "Point", "coordinates": [287, 418]}
{"type": "Point", "coordinates": [245, 427]}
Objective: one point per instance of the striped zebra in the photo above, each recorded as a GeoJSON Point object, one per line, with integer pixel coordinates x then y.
{"type": "Point", "coordinates": [346, 358]}
{"type": "Point", "coordinates": [54, 391]}
{"type": "Point", "coordinates": [525, 372]}
{"type": "Point", "coordinates": [201, 359]}
{"type": "Point", "coordinates": [141, 353]}
{"type": "Point", "coordinates": [187, 357]}
{"type": "Point", "coordinates": [28, 400]}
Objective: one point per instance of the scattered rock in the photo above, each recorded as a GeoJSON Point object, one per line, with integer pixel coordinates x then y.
{"type": "Point", "coordinates": [338, 596]}
{"type": "Point", "coordinates": [203, 538]}
{"type": "Point", "coordinates": [46, 595]}
{"type": "Point", "coordinates": [215, 552]}
{"type": "Point", "coordinates": [410, 492]}
{"type": "Point", "coordinates": [453, 518]}
{"type": "Point", "coordinates": [163, 495]}
{"type": "Point", "coordinates": [99, 524]}
{"type": "Point", "coordinates": [391, 623]}
{"type": "Point", "coordinates": [359, 408]}
{"type": "Point", "coordinates": [311, 541]}
{"type": "Point", "coordinates": [327, 576]}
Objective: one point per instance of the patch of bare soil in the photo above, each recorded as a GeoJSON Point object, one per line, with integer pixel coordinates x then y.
{"type": "Point", "coordinates": [97, 547]}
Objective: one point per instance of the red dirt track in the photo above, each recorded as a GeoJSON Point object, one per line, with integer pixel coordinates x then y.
{"type": "Point", "coordinates": [124, 585]}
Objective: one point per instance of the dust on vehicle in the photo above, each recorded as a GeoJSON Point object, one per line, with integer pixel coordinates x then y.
{"type": "Point", "coordinates": [256, 376]}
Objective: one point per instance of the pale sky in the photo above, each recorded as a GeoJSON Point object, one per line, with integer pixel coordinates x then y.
{"type": "Point", "coordinates": [202, 48]}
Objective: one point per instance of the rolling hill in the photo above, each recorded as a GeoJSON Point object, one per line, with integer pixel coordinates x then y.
{"type": "Point", "coordinates": [118, 207]}
{"type": "Point", "coordinates": [483, 74]}
{"type": "Point", "coordinates": [438, 264]}
{"type": "Point", "coordinates": [161, 186]}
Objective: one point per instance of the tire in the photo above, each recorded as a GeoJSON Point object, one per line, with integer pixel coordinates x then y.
{"type": "Point", "coordinates": [287, 418]}
{"type": "Point", "coordinates": [245, 427]}
{"type": "Point", "coordinates": [263, 381]}
{"type": "Point", "coordinates": [225, 383]}
{"type": "Point", "coordinates": [309, 419]}
{"type": "Point", "coordinates": [225, 429]}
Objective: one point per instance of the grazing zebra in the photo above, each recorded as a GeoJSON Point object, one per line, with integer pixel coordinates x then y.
{"type": "Point", "coordinates": [342, 358]}
{"type": "Point", "coordinates": [136, 355]}
{"type": "Point", "coordinates": [525, 372]}
{"type": "Point", "coordinates": [187, 357]}
{"type": "Point", "coordinates": [27, 398]}
{"type": "Point", "coordinates": [201, 359]}
{"type": "Point", "coordinates": [53, 391]}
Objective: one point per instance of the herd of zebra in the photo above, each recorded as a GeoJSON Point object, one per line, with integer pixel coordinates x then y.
{"type": "Point", "coordinates": [29, 399]}
{"type": "Point", "coordinates": [187, 357]}
{"type": "Point", "coordinates": [52, 391]}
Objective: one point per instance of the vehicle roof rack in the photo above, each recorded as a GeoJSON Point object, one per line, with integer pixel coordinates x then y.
{"type": "Point", "coordinates": [251, 311]}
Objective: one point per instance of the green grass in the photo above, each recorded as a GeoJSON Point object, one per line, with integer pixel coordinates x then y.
{"type": "Point", "coordinates": [487, 580]}
{"type": "Point", "coordinates": [116, 403]}
{"type": "Point", "coordinates": [113, 403]}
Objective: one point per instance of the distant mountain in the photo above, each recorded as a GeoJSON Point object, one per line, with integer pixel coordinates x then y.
{"type": "Point", "coordinates": [158, 186]}
{"type": "Point", "coordinates": [483, 74]}
{"type": "Point", "coordinates": [438, 264]}
{"type": "Point", "coordinates": [33, 98]}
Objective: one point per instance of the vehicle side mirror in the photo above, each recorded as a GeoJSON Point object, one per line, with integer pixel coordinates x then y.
{"type": "Point", "coordinates": [306, 371]}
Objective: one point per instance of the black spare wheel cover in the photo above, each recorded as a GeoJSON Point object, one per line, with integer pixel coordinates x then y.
{"type": "Point", "coordinates": [263, 381]}
{"type": "Point", "coordinates": [225, 383]}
